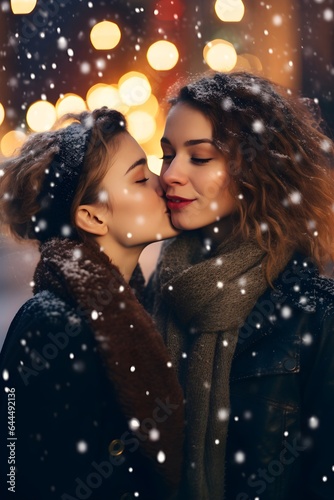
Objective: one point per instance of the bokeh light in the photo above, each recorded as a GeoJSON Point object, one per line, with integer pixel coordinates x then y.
{"type": "Point", "coordinates": [254, 62]}
{"type": "Point", "coordinates": [141, 125]}
{"type": "Point", "coordinates": [2, 113]}
{"type": "Point", "coordinates": [70, 103]}
{"type": "Point", "coordinates": [41, 116]}
{"type": "Point", "coordinates": [162, 55]}
{"type": "Point", "coordinates": [22, 6]}
{"type": "Point", "coordinates": [151, 106]}
{"type": "Point", "coordinates": [134, 88]}
{"type": "Point", "coordinates": [105, 35]}
{"type": "Point", "coordinates": [231, 11]}
{"type": "Point", "coordinates": [12, 141]}
{"type": "Point", "coordinates": [154, 164]}
{"type": "Point", "coordinates": [220, 55]}
{"type": "Point", "coordinates": [102, 94]}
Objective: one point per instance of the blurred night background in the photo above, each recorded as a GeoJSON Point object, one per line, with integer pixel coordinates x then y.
{"type": "Point", "coordinates": [60, 55]}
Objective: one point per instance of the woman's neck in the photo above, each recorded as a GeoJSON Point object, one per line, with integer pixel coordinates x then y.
{"type": "Point", "coordinates": [125, 258]}
{"type": "Point", "coordinates": [217, 232]}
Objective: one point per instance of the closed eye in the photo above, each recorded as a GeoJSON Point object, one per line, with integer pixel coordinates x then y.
{"type": "Point", "coordinates": [142, 180]}
{"type": "Point", "coordinates": [200, 161]}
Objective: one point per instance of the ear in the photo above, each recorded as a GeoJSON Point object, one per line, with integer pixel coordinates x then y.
{"type": "Point", "coordinates": [91, 219]}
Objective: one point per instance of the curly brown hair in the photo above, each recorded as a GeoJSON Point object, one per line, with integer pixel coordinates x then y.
{"type": "Point", "coordinates": [279, 160]}
{"type": "Point", "coordinates": [24, 174]}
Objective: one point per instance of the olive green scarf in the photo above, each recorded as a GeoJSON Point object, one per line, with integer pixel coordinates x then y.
{"type": "Point", "coordinates": [199, 302]}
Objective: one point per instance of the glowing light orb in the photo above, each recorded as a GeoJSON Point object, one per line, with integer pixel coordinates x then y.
{"type": "Point", "coordinates": [154, 164]}
{"type": "Point", "coordinates": [105, 35]}
{"type": "Point", "coordinates": [102, 94]}
{"type": "Point", "coordinates": [70, 103]}
{"type": "Point", "coordinates": [141, 125]}
{"type": "Point", "coordinates": [151, 106]}
{"type": "Point", "coordinates": [41, 116]}
{"type": "Point", "coordinates": [162, 55]}
{"type": "Point", "coordinates": [253, 61]}
{"type": "Point", "coordinates": [22, 6]}
{"type": "Point", "coordinates": [220, 55]}
{"type": "Point", "coordinates": [231, 11]}
{"type": "Point", "coordinates": [12, 141]}
{"type": "Point", "coordinates": [2, 113]}
{"type": "Point", "coordinates": [134, 88]}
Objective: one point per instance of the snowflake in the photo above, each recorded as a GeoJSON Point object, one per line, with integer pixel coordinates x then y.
{"type": "Point", "coordinates": [258, 126]}
{"type": "Point", "coordinates": [82, 446]}
{"type": "Point", "coordinates": [161, 457]}
{"type": "Point", "coordinates": [240, 457]}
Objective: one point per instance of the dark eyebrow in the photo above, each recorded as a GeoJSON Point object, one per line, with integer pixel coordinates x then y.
{"type": "Point", "coordinates": [192, 142]}
{"type": "Point", "coordinates": [142, 161]}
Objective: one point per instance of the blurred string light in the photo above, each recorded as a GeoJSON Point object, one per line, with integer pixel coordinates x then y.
{"type": "Point", "coordinates": [22, 6]}
{"type": "Point", "coordinates": [151, 106]}
{"type": "Point", "coordinates": [220, 55]}
{"type": "Point", "coordinates": [12, 141]}
{"type": "Point", "coordinates": [105, 35]}
{"type": "Point", "coordinates": [102, 94]}
{"type": "Point", "coordinates": [134, 88]}
{"type": "Point", "coordinates": [70, 103]}
{"type": "Point", "coordinates": [162, 55]}
{"type": "Point", "coordinates": [248, 62]}
{"type": "Point", "coordinates": [2, 113]}
{"type": "Point", "coordinates": [231, 11]}
{"type": "Point", "coordinates": [141, 125]}
{"type": "Point", "coordinates": [154, 164]}
{"type": "Point", "coordinates": [41, 116]}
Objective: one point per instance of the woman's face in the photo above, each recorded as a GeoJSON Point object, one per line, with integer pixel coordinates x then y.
{"type": "Point", "coordinates": [194, 174]}
{"type": "Point", "coordinates": [138, 213]}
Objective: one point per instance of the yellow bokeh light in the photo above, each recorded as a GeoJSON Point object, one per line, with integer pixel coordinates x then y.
{"type": "Point", "coordinates": [41, 116]}
{"type": "Point", "coordinates": [151, 106]}
{"type": "Point", "coordinates": [70, 103]}
{"type": "Point", "coordinates": [12, 141]}
{"type": "Point", "coordinates": [22, 6]}
{"type": "Point", "coordinates": [253, 61]}
{"type": "Point", "coordinates": [2, 113]}
{"type": "Point", "coordinates": [105, 35]}
{"type": "Point", "coordinates": [102, 94]}
{"type": "Point", "coordinates": [220, 55]}
{"type": "Point", "coordinates": [162, 55]}
{"type": "Point", "coordinates": [231, 11]}
{"type": "Point", "coordinates": [134, 88]}
{"type": "Point", "coordinates": [242, 64]}
{"type": "Point", "coordinates": [154, 164]}
{"type": "Point", "coordinates": [141, 125]}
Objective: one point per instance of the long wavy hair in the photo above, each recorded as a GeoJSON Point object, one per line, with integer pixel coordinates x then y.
{"type": "Point", "coordinates": [279, 159]}
{"type": "Point", "coordinates": [24, 173]}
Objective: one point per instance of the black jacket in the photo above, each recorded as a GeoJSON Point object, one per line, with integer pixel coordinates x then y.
{"type": "Point", "coordinates": [69, 389]}
{"type": "Point", "coordinates": [280, 442]}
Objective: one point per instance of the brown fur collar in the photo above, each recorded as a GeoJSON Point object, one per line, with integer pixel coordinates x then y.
{"type": "Point", "coordinates": [132, 350]}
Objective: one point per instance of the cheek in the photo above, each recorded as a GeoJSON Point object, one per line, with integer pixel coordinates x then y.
{"type": "Point", "coordinates": [215, 184]}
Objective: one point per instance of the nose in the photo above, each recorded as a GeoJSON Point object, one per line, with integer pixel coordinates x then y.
{"type": "Point", "coordinates": [173, 173]}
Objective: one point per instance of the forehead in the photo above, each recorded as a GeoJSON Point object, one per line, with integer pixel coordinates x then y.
{"type": "Point", "coordinates": [187, 120]}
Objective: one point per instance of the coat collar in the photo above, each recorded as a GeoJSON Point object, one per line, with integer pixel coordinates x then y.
{"type": "Point", "coordinates": [135, 358]}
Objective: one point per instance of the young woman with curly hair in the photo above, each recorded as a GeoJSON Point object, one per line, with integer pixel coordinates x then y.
{"type": "Point", "coordinates": [90, 407]}
{"type": "Point", "coordinates": [247, 317]}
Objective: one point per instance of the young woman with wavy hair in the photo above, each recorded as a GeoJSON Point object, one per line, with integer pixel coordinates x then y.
{"type": "Point", "coordinates": [238, 296]}
{"type": "Point", "coordinates": [90, 407]}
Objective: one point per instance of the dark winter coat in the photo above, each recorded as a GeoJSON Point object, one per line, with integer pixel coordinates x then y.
{"type": "Point", "coordinates": [280, 441]}
{"type": "Point", "coordinates": [281, 432]}
{"type": "Point", "coordinates": [81, 360]}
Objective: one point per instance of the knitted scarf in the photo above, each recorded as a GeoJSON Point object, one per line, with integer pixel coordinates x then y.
{"type": "Point", "coordinates": [132, 351]}
{"type": "Point", "coordinates": [201, 301]}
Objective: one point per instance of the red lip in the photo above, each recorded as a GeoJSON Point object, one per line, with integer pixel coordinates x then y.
{"type": "Point", "coordinates": [177, 202]}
